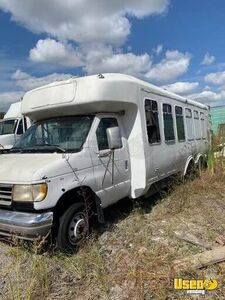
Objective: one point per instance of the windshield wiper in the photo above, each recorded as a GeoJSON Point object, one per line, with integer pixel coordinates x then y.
{"type": "Point", "coordinates": [39, 147]}
{"type": "Point", "coordinates": [54, 147]}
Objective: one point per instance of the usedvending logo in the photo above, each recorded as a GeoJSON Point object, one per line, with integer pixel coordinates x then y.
{"type": "Point", "coordinates": [195, 286]}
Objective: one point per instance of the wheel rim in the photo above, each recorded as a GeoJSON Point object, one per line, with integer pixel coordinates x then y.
{"type": "Point", "coordinates": [77, 229]}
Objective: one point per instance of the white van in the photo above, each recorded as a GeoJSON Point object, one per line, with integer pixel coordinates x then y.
{"type": "Point", "coordinates": [95, 140]}
{"type": "Point", "coordinates": [12, 126]}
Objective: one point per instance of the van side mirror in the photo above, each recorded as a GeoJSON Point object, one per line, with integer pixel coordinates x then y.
{"type": "Point", "coordinates": [114, 138]}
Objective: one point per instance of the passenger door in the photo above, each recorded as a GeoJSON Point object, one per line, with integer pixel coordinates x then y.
{"type": "Point", "coordinates": [154, 143]}
{"type": "Point", "coordinates": [109, 188]}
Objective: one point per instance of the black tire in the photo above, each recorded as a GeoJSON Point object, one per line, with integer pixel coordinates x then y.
{"type": "Point", "coordinates": [204, 163]}
{"type": "Point", "coordinates": [191, 172]}
{"type": "Point", "coordinates": [73, 228]}
{"type": "Point", "coordinates": [201, 165]}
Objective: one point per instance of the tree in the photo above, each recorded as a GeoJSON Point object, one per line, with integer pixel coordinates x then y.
{"type": "Point", "coordinates": [2, 115]}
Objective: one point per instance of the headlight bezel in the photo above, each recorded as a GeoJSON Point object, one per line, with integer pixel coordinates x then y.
{"type": "Point", "coordinates": [29, 192]}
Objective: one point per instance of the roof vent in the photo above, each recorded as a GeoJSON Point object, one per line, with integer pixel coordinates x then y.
{"type": "Point", "coordinates": [100, 76]}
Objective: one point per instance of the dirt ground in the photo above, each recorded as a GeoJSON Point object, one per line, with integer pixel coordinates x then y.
{"type": "Point", "coordinates": [133, 256]}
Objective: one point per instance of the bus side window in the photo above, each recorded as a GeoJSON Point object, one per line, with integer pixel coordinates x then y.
{"type": "Point", "coordinates": [180, 123]}
{"type": "Point", "coordinates": [168, 122]}
{"type": "Point", "coordinates": [189, 122]}
{"type": "Point", "coordinates": [203, 125]}
{"type": "Point", "coordinates": [152, 121]}
{"type": "Point", "coordinates": [197, 125]}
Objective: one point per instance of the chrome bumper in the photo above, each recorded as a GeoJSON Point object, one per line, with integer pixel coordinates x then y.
{"type": "Point", "coordinates": [25, 225]}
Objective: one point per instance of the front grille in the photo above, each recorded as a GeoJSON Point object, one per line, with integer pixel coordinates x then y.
{"type": "Point", "coordinates": [5, 194]}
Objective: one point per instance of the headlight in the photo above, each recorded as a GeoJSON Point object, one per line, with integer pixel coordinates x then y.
{"type": "Point", "coordinates": [29, 193]}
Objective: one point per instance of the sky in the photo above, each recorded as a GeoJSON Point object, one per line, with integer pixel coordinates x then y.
{"type": "Point", "coordinates": [176, 44]}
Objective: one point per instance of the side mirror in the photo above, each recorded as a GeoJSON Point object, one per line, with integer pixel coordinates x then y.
{"type": "Point", "coordinates": [114, 138]}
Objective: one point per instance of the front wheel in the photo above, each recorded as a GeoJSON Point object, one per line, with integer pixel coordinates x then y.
{"type": "Point", "coordinates": [73, 228]}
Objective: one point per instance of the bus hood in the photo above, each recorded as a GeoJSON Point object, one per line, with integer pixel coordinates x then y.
{"type": "Point", "coordinates": [27, 168]}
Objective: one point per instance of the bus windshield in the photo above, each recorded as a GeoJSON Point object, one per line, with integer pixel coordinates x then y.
{"type": "Point", "coordinates": [61, 134]}
{"type": "Point", "coordinates": [8, 126]}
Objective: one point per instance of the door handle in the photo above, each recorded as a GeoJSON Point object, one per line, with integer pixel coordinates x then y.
{"type": "Point", "coordinates": [106, 154]}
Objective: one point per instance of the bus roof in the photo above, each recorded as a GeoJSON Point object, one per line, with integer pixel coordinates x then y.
{"type": "Point", "coordinates": [107, 92]}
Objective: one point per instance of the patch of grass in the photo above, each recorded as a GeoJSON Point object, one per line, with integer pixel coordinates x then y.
{"type": "Point", "coordinates": [87, 268]}
{"type": "Point", "coordinates": [27, 274]}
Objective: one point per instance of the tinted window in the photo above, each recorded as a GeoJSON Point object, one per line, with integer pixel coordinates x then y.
{"type": "Point", "coordinates": [168, 122]}
{"type": "Point", "coordinates": [101, 132]}
{"type": "Point", "coordinates": [189, 123]}
{"type": "Point", "coordinates": [196, 115]}
{"type": "Point", "coordinates": [188, 113]}
{"type": "Point", "coordinates": [197, 125]}
{"type": "Point", "coordinates": [203, 125]}
{"type": "Point", "coordinates": [152, 121]}
{"type": "Point", "coordinates": [180, 123]}
{"type": "Point", "coordinates": [20, 127]}
{"type": "Point", "coordinates": [25, 124]}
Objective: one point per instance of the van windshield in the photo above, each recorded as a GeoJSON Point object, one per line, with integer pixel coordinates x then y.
{"type": "Point", "coordinates": [62, 134]}
{"type": "Point", "coordinates": [8, 126]}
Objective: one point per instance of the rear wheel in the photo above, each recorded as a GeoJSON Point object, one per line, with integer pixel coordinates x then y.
{"type": "Point", "coordinates": [201, 165]}
{"type": "Point", "coordinates": [191, 172]}
{"type": "Point", "coordinates": [73, 228]}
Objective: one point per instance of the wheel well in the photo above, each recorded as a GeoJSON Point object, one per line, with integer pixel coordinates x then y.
{"type": "Point", "coordinates": [190, 166]}
{"type": "Point", "coordinates": [203, 161]}
{"type": "Point", "coordinates": [81, 194]}
{"type": "Point", "coordinates": [200, 158]}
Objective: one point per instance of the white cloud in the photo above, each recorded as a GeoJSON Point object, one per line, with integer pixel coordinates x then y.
{"type": "Point", "coordinates": [82, 20]}
{"type": "Point", "coordinates": [53, 52]}
{"type": "Point", "coordinates": [96, 58]}
{"type": "Point", "coordinates": [128, 63]}
{"type": "Point", "coordinates": [182, 88]}
{"type": "Point", "coordinates": [81, 33]}
{"type": "Point", "coordinates": [217, 78]}
{"type": "Point", "coordinates": [96, 27]}
{"type": "Point", "coordinates": [209, 97]}
{"type": "Point", "coordinates": [207, 88]}
{"type": "Point", "coordinates": [7, 98]}
{"type": "Point", "coordinates": [96, 52]}
{"type": "Point", "coordinates": [208, 59]}
{"type": "Point", "coordinates": [101, 58]}
{"type": "Point", "coordinates": [158, 50]}
{"type": "Point", "coordinates": [172, 66]}
{"type": "Point", "coordinates": [28, 82]}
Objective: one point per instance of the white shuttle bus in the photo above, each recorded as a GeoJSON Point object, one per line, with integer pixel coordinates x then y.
{"type": "Point", "coordinates": [12, 126]}
{"type": "Point", "coordinates": [94, 141]}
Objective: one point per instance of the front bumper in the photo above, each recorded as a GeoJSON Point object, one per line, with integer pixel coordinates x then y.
{"type": "Point", "coordinates": [25, 225]}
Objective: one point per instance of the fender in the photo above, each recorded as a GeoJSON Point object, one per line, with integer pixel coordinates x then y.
{"type": "Point", "coordinates": [199, 156]}
{"type": "Point", "coordinates": [69, 197]}
{"type": "Point", "coordinates": [190, 158]}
